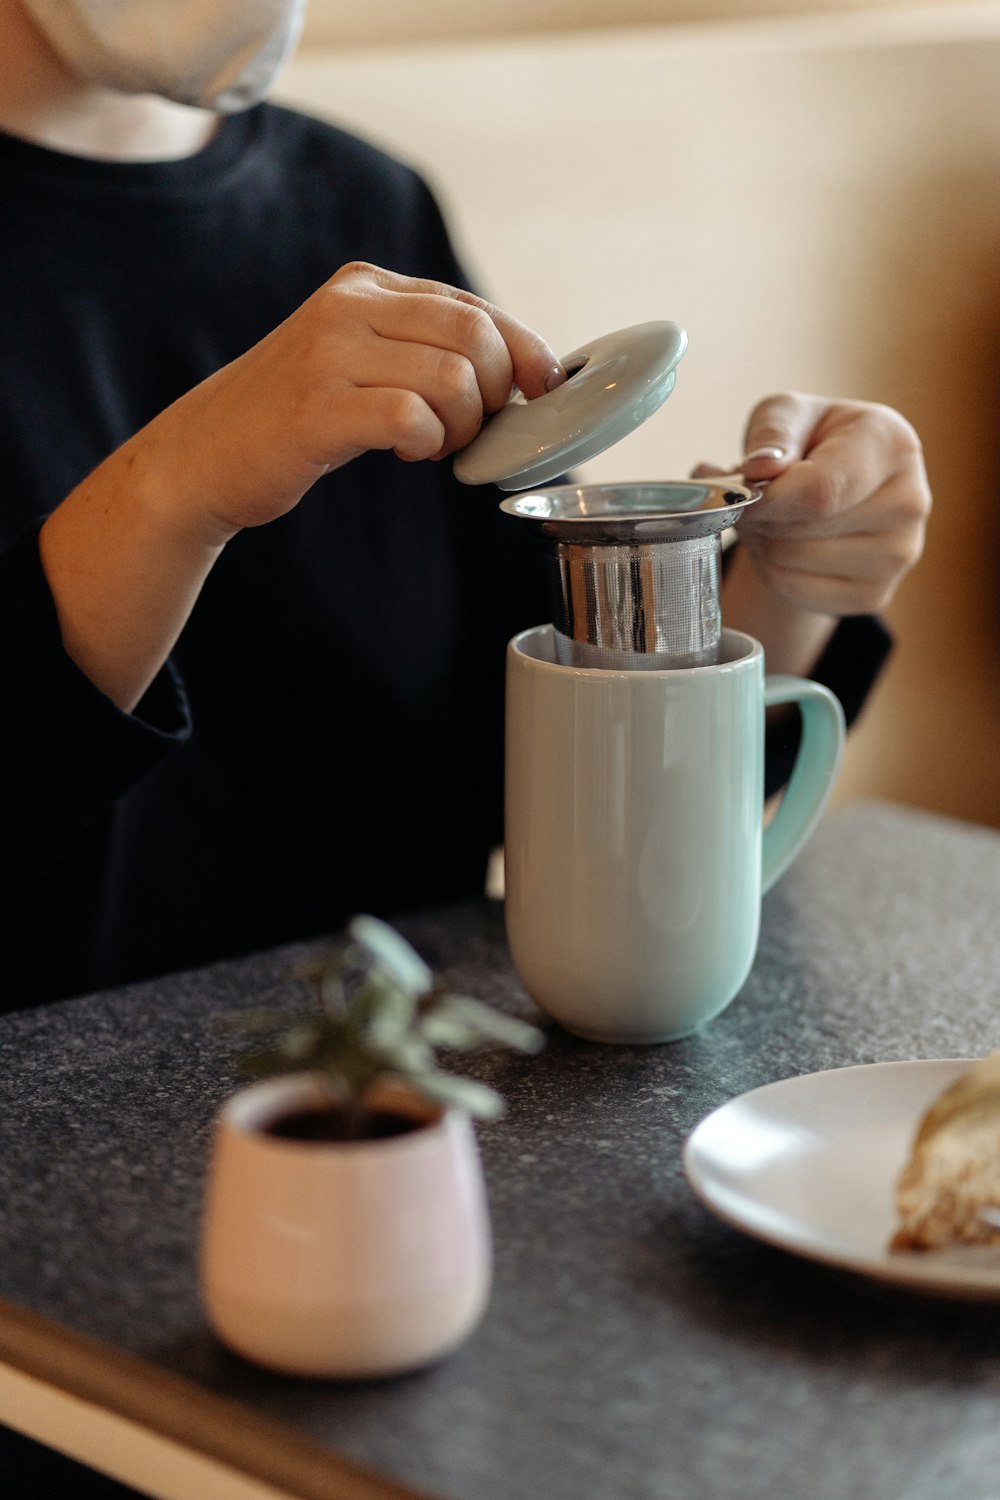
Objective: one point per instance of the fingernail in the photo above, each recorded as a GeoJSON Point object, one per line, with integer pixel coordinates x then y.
{"type": "Point", "coordinates": [772, 453]}
{"type": "Point", "coordinates": [555, 378]}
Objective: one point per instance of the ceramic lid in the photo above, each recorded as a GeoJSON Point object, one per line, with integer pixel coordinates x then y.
{"type": "Point", "coordinates": [614, 384]}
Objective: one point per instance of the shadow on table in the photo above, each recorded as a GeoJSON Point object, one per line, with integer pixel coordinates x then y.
{"type": "Point", "coordinates": [758, 1296]}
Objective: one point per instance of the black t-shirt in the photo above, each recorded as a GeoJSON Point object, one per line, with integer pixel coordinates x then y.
{"type": "Point", "coordinates": [327, 736]}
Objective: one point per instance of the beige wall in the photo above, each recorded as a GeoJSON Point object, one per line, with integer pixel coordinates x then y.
{"type": "Point", "coordinates": [818, 202]}
{"type": "Point", "coordinates": [394, 21]}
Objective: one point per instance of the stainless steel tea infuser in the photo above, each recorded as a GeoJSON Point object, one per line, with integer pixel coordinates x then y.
{"type": "Point", "coordinates": [634, 569]}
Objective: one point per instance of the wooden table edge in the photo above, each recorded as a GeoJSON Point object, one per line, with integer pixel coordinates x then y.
{"type": "Point", "coordinates": [53, 1369]}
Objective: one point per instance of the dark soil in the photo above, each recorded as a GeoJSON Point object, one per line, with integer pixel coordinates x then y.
{"type": "Point", "coordinates": [320, 1124]}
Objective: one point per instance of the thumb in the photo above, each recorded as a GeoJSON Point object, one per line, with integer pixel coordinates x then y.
{"type": "Point", "coordinates": [777, 434]}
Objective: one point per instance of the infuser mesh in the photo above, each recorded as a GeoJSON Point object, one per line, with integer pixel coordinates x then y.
{"type": "Point", "coordinates": [637, 605]}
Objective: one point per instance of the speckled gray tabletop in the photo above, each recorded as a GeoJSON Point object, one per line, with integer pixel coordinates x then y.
{"type": "Point", "coordinates": [635, 1346]}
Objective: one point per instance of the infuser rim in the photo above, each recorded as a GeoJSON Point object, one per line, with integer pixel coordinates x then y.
{"type": "Point", "coordinates": [634, 510]}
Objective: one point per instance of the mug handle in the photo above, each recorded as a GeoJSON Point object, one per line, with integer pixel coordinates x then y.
{"type": "Point", "coordinates": [811, 781]}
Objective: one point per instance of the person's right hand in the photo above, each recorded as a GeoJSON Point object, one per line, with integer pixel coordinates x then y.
{"type": "Point", "coordinates": [371, 360]}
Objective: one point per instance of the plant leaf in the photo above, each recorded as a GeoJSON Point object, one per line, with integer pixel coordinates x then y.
{"type": "Point", "coordinates": [439, 1029]}
{"type": "Point", "coordinates": [381, 1008]}
{"type": "Point", "coordinates": [392, 953]}
{"type": "Point", "coordinates": [475, 1098]}
{"type": "Point", "coordinates": [407, 1057]}
{"type": "Point", "coordinates": [382, 1013]}
{"type": "Point", "coordinates": [483, 1023]}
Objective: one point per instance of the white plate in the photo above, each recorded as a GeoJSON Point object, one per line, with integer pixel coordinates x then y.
{"type": "Point", "coordinates": [810, 1164]}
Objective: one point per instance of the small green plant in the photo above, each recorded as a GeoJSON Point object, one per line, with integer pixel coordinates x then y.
{"type": "Point", "coordinates": [382, 1014]}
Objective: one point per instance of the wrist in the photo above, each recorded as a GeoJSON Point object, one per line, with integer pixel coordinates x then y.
{"type": "Point", "coordinates": [165, 491]}
{"type": "Point", "coordinates": [124, 568]}
{"type": "Point", "coordinates": [793, 638]}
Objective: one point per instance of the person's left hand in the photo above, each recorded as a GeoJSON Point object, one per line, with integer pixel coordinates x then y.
{"type": "Point", "coordinates": [843, 517]}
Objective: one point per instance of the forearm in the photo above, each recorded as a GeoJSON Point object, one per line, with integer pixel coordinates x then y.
{"type": "Point", "coordinates": [70, 753]}
{"type": "Point", "coordinates": [124, 573]}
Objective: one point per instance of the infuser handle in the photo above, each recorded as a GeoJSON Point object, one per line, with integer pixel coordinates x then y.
{"type": "Point", "coordinates": [811, 782]}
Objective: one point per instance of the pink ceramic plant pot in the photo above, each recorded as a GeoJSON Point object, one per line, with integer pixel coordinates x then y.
{"type": "Point", "coordinates": [348, 1258]}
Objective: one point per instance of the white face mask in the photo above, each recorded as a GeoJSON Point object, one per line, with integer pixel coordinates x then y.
{"type": "Point", "coordinates": [215, 54]}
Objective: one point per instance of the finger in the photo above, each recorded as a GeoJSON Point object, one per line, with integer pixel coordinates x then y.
{"type": "Point", "coordinates": [854, 448]}
{"type": "Point", "coordinates": [778, 433]}
{"type": "Point", "coordinates": [370, 417]}
{"type": "Point", "coordinates": [537, 369]}
{"type": "Point", "coordinates": [841, 490]}
{"type": "Point", "coordinates": [451, 327]}
{"type": "Point", "coordinates": [786, 428]}
{"type": "Point", "coordinates": [709, 471]}
{"type": "Point", "coordinates": [863, 556]}
{"type": "Point", "coordinates": [809, 501]}
{"type": "Point", "coordinates": [503, 350]}
{"type": "Point", "coordinates": [445, 380]}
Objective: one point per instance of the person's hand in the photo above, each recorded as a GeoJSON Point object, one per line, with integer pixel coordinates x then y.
{"type": "Point", "coordinates": [843, 517]}
{"type": "Point", "coordinates": [840, 523]}
{"type": "Point", "coordinates": [372, 360]}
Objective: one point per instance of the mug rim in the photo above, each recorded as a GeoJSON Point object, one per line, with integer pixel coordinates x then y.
{"type": "Point", "coordinates": [750, 651]}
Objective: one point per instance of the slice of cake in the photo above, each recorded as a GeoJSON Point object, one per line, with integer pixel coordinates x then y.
{"type": "Point", "coordinates": [953, 1172]}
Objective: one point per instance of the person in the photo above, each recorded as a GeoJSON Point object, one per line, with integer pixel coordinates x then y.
{"type": "Point", "coordinates": [252, 628]}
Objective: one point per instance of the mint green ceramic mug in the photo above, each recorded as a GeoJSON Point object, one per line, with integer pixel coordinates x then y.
{"type": "Point", "coordinates": [635, 851]}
